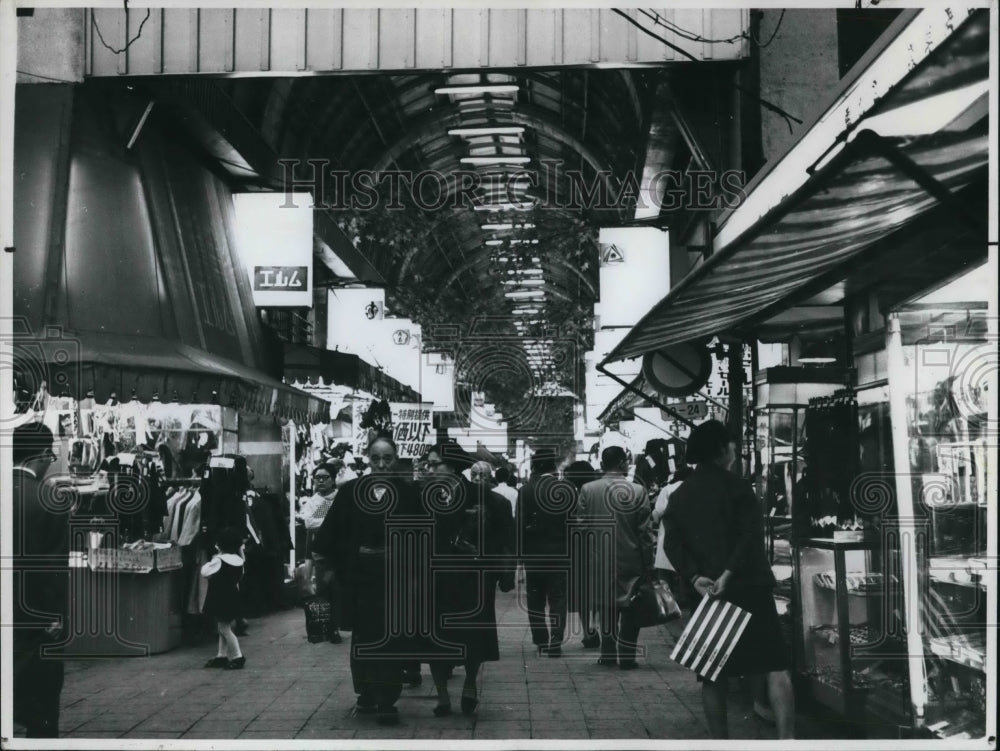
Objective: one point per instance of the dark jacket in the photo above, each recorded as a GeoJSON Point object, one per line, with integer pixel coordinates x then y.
{"type": "Point", "coordinates": [544, 507]}
{"type": "Point", "coordinates": [354, 538]}
{"type": "Point", "coordinates": [40, 560]}
{"type": "Point", "coordinates": [714, 523]}
{"type": "Point", "coordinates": [472, 555]}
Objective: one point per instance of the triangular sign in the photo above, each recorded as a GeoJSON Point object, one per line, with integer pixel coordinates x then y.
{"type": "Point", "coordinates": [612, 254]}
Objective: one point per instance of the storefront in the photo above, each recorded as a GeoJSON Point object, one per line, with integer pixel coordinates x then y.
{"type": "Point", "coordinates": [877, 452]}
{"type": "Point", "coordinates": [138, 343]}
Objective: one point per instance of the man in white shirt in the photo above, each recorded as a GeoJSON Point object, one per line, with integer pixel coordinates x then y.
{"type": "Point", "coordinates": [502, 488]}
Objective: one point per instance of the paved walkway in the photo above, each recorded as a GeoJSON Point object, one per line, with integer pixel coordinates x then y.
{"type": "Point", "coordinates": [293, 689]}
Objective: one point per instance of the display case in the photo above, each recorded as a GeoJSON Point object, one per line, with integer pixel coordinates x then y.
{"type": "Point", "coordinates": [847, 647]}
{"type": "Point", "coordinates": [948, 445]}
{"type": "Point", "coordinates": [780, 399]}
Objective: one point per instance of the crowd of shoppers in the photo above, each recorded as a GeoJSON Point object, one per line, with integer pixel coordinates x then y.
{"type": "Point", "coordinates": [583, 537]}
{"type": "Point", "coordinates": [412, 559]}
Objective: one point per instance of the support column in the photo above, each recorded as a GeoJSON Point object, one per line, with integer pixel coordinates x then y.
{"type": "Point", "coordinates": [899, 385]}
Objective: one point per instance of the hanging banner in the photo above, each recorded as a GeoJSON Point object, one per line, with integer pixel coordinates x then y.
{"type": "Point", "coordinates": [274, 233]}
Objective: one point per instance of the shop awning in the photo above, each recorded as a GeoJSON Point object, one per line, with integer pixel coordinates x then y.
{"type": "Point", "coordinates": [862, 194]}
{"type": "Point", "coordinates": [312, 365]}
{"type": "Point", "coordinates": [148, 368]}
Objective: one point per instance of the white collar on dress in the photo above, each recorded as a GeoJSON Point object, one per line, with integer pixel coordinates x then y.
{"type": "Point", "coordinates": [231, 558]}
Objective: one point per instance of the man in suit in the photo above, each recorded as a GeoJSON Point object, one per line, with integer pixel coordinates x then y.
{"type": "Point", "coordinates": [614, 506]}
{"type": "Point", "coordinates": [41, 583]}
{"type": "Point", "coordinates": [544, 507]}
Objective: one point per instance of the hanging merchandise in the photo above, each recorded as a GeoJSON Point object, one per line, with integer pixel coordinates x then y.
{"type": "Point", "coordinates": [830, 454]}
{"type": "Point", "coordinates": [223, 492]}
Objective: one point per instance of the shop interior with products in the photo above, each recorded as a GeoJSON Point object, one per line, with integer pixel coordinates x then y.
{"type": "Point", "coordinates": [885, 569]}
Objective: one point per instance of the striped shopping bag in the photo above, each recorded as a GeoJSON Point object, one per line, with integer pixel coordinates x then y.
{"type": "Point", "coordinates": [710, 637]}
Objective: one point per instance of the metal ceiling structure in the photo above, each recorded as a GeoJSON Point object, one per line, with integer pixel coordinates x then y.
{"type": "Point", "coordinates": [508, 174]}
{"type": "Point", "coordinates": [496, 125]}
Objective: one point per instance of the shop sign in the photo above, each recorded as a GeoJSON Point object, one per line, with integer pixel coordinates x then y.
{"type": "Point", "coordinates": [274, 234]}
{"type": "Point", "coordinates": [280, 278]}
{"type": "Point", "coordinates": [696, 409]}
{"type": "Point", "coordinates": [412, 428]}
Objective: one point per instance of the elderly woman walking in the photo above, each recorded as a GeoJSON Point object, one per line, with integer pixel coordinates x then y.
{"type": "Point", "coordinates": [473, 554]}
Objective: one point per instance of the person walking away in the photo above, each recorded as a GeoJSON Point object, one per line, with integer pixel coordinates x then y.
{"type": "Point", "coordinates": [544, 507]}
{"type": "Point", "coordinates": [355, 536]}
{"type": "Point", "coordinates": [503, 487]}
{"type": "Point", "coordinates": [664, 568]}
{"type": "Point", "coordinates": [222, 602]}
{"type": "Point", "coordinates": [616, 507]}
{"type": "Point", "coordinates": [714, 536]}
{"type": "Point", "coordinates": [41, 583]}
{"type": "Point", "coordinates": [474, 545]}
{"type": "Point", "coordinates": [313, 512]}
{"type": "Point", "coordinates": [579, 473]}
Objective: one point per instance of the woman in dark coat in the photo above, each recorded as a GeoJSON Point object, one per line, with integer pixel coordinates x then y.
{"type": "Point", "coordinates": [472, 554]}
{"type": "Point", "coordinates": [363, 534]}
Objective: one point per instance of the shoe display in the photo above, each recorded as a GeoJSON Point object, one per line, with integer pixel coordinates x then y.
{"type": "Point", "coordinates": [236, 664]}
{"type": "Point", "coordinates": [607, 662]}
{"type": "Point", "coordinates": [554, 651]}
{"type": "Point", "coordinates": [387, 716]}
{"type": "Point", "coordinates": [217, 662]}
{"type": "Point", "coordinates": [442, 710]}
{"type": "Point", "coordinates": [628, 664]}
{"type": "Point", "coordinates": [335, 638]}
{"type": "Point", "coordinates": [365, 709]}
{"type": "Point", "coordinates": [469, 705]}
{"type": "Point", "coordinates": [591, 641]}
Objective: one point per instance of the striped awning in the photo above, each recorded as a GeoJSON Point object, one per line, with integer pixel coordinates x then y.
{"type": "Point", "coordinates": [856, 199]}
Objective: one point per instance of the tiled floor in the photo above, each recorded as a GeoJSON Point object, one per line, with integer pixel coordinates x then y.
{"type": "Point", "coordinates": [293, 689]}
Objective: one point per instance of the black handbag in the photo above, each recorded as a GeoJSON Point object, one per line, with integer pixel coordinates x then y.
{"type": "Point", "coordinates": [652, 602]}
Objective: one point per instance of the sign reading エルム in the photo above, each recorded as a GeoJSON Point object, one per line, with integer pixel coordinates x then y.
{"type": "Point", "coordinates": [280, 278]}
{"type": "Point", "coordinates": [274, 234]}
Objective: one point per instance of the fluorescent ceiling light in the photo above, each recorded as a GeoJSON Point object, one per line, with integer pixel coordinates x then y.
{"type": "Point", "coordinates": [496, 130]}
{"type": "Point", "coordinates": [498, 227]}
{"type": "Point", "coordinates": [816, 360]}
{"type": "Point", "coordinates": [523, 282]}
{"type": "Point", "coordinates": [533, 294]}
{"type": "Point", "coordinates": [496, 159]}
{"type": "Point", "coordinates": [494, 242]}
{"type": "Point", "coordinates": [492, 88]}
{"type": "Point", "coordinates": [525, 271]}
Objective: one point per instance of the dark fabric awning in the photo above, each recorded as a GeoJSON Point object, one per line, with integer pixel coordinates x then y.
{"type": "Point", "coordinates": [312, 364]}
{"type": "Point", "coordinates": [858, 198]}
{"type": "Point", "coordinates": [140, 367]}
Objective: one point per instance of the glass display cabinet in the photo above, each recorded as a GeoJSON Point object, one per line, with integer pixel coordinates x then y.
{"type": "Point", "coordinates": [847, 631]}
{"type": "Point", "coordinates": [781, 395]}
{"type": "Point", "coordinates": [948, 443]}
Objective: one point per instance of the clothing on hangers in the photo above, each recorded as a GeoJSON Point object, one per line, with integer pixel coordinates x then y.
{"type": "Point", "coordinates": [191, 523]}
